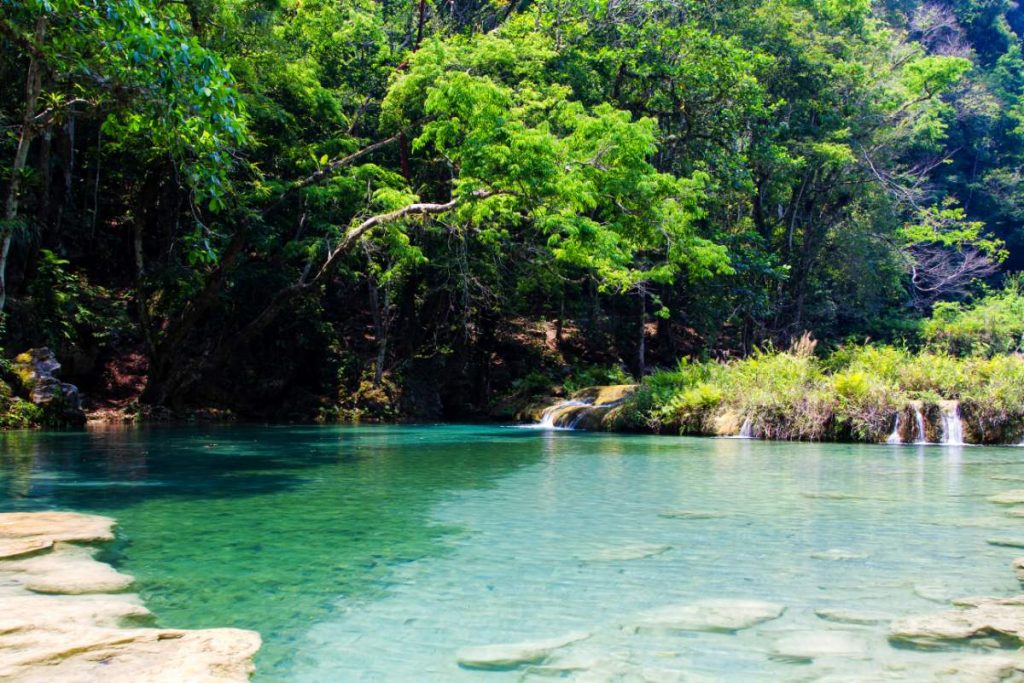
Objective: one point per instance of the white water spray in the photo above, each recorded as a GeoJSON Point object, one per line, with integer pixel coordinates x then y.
{"type": "Point", "coordinates": [952, 424]}
{"type": "Point", "coordinates": [747, 429]}
{"type": "Point", "coordinates": [548, 417]}
{"type": "Point", "coordinates": [894, 438]}
{"type": "Point", "coordinates": [919, 418]}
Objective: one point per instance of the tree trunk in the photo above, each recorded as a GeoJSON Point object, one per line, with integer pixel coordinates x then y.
{"type": "Point", "coordinates": [641, 354]}
{"type": "Point", "coordinates": [33, 87]}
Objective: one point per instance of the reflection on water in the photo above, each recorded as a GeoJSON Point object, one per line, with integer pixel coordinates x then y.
{"type": "Point", "coordinates": [373, 553]}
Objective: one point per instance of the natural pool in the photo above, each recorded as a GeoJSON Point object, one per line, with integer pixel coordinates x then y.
{"type": "Point", "coordinates": [373, 553]}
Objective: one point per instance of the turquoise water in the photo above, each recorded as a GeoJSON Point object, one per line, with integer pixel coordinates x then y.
{"type": "Point", "coordinates": [373, 553]}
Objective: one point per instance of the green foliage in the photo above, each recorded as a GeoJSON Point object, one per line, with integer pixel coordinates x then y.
{"type": "Point", "coordinates": [853, 393]}
{"type": "Point", "coordinates": [593, 376]}
{"type": "Point", "coordinates": [66, 309]}
{"type": "Point", "coordinates": [994, 324]}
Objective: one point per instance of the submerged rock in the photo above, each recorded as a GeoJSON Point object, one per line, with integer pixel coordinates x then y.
{"type": "Point", "coordinates": [981, 669]}
{"type": "Point", "coordinates": [849, 616]}
{"type": "Point", "coordinates": [512, 655]}
{"type": "Point", "coordinates": [934, 592]}
{"type": "Point", "coordinates": [715, 615]}
{"type": "Point", "coordinates": [1014, 497]}
{"type": "Point", "coordinates": [809, 645]}
{"type": "Point", "coordinates": [977, 618]}
{"type": "Point", "coordinates": [58, 623]}
{"type": "Point", "coordinates": [690, 514]}
{"type": "Point", "coordinates": [1006, 542]}
{"type": "Point", "coordinates": [624, 553]}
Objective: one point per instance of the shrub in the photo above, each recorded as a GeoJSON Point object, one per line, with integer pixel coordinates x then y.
{"type": "Point", "coordinates": [992, 325]}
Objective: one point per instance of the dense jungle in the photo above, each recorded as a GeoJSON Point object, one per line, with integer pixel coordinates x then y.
{"type": "Point", "coordinates": [297, 210]}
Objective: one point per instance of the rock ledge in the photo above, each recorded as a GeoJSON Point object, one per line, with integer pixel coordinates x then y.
{"type": "Point", "coordinates": [64, 618]}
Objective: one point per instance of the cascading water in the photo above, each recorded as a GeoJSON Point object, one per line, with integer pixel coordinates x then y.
{"type": "Point", "coordinates": [919, 418]}
{"type": "Point", "coordinates": [952, 425]}
{"type": "Point", "coordinates": [894, 438]}
{"type": "Point", "coordinates": [747, 429]}
{"type": "Point", "coordinates": [550, 415]}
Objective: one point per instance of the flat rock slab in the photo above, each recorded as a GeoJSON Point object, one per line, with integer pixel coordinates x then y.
{"type": "Point", "coordinates": [981, 669]}
{"type": "Point", "coordinates": [849, 616]}
{"type": "Point", "coordinates": [810, 645]}
{"type": "Point", "coordinates": [57, 526]}
{"type": "Point", "coordinates": [514, 655]}
{"type": "Point", "coordinates": [637, 551]}
{"type": "Point", "coordinates": [934, 592]}
{"type": "Point", "coordinates": [62, 618]}
{"type": "Point", "coordinates": [978, 618]}
{"type": "Point", "coordinates": [19, 547]}
{"type": "Point", "coordinates": [1014, 497]}
{"type": "Point", "coordinates": [135, 655]}
{"type": "Point", "coordinates": [68, 569]}
{"type": "Point", "coordinates": [721, 615]}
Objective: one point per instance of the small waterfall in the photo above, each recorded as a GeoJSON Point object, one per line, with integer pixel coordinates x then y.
{"type": "Point", "coordinates": [747, 430]}
{"type": "Point", "coordinates": [894, 438]}
{"type": "Point", "coordinates": [919, 417]}
{"type": "Point", "coordinates": [547, 419]}
{"type": "Point", "coordinates": [952, 425]}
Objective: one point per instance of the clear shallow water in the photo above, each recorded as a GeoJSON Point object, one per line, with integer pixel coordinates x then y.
{"type": "Point", "coordinates": [373, 553]}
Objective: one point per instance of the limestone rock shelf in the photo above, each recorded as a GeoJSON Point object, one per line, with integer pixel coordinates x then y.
{"type": "Point", "coordinates": [65, 617]}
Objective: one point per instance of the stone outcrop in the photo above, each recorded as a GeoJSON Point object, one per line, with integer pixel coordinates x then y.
{"type": "Point", "coordinates": [64, 619]}
{"type": "Point", "coordinates": [512, 655]}
{"type": "Point", "coordinates": [592, 408]}
{"type": "Point", "coordinates": [1002, 618]}
{"type": "Point", "coordinates": [716, 616]}
{"type": "Point", "coordinates": [61, 402]}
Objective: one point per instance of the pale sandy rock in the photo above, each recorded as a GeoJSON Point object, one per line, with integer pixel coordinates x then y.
{"type": "Point", "coordinates": [809, 645]}
{"type": "Point", "coordinates": [980, 618]}
{"type": "Point", "coordinates": [849, 616]}
{"type": "Point", "coordinates": [19, 547]}
{"type": "Point", "coordinates": [512, 655]}
{"type": "Point", "coordinates": [57, 526]}
{"type": "Point", "coordinates": [635, 551]}
{"type": "Point", "coordinates": [27, 611]}
{"type": "Point", "coordinates": [720, 615]}
{"type": "Point", "coordinates": [1015, 512]}
{"type": "Point", "coordinates": [1018, 569]}
{"type": "Point", "coordinates": [130, 656]}
{"type": "Point", "coordinates": [68, 569]}
{"type": "Point", "coordinates": [982, 669]}
{"type": "Point", "coordinates": [60, 621]}
{"type": "Point", "coordinates": [1014, 497]}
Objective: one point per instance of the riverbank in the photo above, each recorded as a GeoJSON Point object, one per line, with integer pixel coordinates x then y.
{"type": "Point", "coordinates": [67, 616]}
{"type": "Point", "coordinates": [868, 394]}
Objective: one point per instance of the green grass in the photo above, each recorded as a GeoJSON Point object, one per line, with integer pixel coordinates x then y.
{"type": "Point", "coordinates": [853, 394]}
